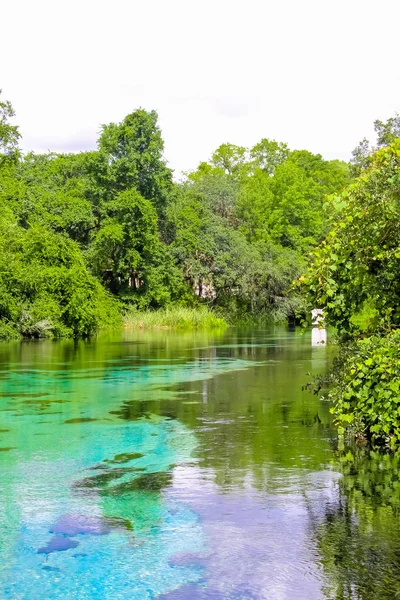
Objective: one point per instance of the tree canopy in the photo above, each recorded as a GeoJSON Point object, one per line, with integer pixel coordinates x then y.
{"type": "Point", "coordinates": [113, 224]}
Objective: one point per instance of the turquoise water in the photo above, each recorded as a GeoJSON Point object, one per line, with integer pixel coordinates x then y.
{"type": "Point", "coordinates": [179, 466]}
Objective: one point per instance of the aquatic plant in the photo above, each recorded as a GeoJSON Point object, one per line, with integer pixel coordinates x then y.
{"type": "Point", "coordinates": [175, 317]}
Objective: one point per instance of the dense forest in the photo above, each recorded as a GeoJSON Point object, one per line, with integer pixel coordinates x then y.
{"type": "Point", "coordinates": [86, 236]}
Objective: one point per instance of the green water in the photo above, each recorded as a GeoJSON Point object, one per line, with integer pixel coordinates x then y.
{"type": "Point", "coordinates": [185, 466]}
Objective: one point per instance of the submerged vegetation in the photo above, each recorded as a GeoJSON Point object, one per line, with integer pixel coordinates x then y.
{"type": "Point", "coordinates": [87, 237]}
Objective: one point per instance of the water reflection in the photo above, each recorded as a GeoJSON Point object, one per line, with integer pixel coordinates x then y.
{"type": "Point", "coordinates": [359, 537]}
{"type": "Point", "coordinates": [184, 466]}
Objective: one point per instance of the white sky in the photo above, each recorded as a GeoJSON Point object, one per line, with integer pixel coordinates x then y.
{"type": "Point", "coordinates": [312, 73]}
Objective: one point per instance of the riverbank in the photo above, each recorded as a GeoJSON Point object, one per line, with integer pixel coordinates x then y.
{"type": "Point", "coordinates": [175, 317]}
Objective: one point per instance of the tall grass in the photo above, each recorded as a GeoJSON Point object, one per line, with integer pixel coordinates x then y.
{"type": "Point", "coordinates": [175, 317]}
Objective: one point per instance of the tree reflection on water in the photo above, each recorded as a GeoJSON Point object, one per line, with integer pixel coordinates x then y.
{"type": "Point", "coordinates": [359, 538]}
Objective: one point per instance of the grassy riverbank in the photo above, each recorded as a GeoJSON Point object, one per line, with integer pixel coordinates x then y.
{"type": "Point", "coordinates": [175, 317]}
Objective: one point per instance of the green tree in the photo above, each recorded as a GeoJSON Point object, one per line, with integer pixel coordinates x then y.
{"type": "Point", "coordinates": [268, 154]}
{"type": "Point", "coordinates": [52, 191]}
{"type": "Point", "coordinates": [45, 288]}
{"type": "Point", "coordinates": [128, 255]}
{"type": "Point", "coordinates": [360, 158]}
{"type": "Point", "coordinates": [358, 263]}
{"type": "Point", "coordinates": [255, 208]}
{"type": "Point", "coordinates": [125, 239]}
{"type": "Point", "coordinates": [386, 133]}
{"type": "Point", "coordinates": [229, 158]}
{"type": "Point", "coordinates": [133, 157]}
{"type": "Point", "coordinates": [287, 208]}
{"type": "Point", "coordinates": [219, 192]}
{"type": "Point", "coordinates": [9, 134]}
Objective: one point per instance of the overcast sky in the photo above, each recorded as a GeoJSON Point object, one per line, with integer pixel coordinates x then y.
{"type": "Point", "coordinates": [312, 73]}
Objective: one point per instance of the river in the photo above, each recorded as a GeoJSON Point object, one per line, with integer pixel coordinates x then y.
{"type": "Point", "coordinates": [186, 466]}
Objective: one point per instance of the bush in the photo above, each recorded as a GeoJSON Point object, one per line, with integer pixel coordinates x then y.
{"type": "Point", "coordinates": [45, 287]}
{"type": "Point", "coordinates": [366, 388]}
{"type": "Point", "coordinates": [8, 331]}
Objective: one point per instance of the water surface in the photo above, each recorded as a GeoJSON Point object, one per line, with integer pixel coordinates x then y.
{"type": "Point", "coordinates": [185, 466]}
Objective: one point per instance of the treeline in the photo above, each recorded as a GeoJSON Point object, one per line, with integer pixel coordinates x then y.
{"type": "Point", "coordinates": [83, 236]}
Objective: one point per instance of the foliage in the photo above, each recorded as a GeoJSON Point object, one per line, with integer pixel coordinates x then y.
{"type": "Point", "coordinates": [132, 151]}
{"type": "Point", "coordinates": [88, 232]}
{"type": "Point", "coordinates": [8, 331]}
{"type": "Point", "coordinates": [288, 207]}
{"type": "Point", "coordinates": [176, 317]}
{"type": "Point", "coordinates": [269, 154]}
{"type": "Point", "coordinates": [241, 225]}
{"type": "Point", "coordinates": [9, 134]}
{"type": "Point", "coordinates": [357, 265]}
{"type": "Point", "coordinates": [365, 388]}
{"type": "Point", "coordinates": [386, 133]}
{"type": "Point", "coordinates": [355, 278]}
{"type": "Point", "coordinates": [126, 238]}
{"type": "Point", "coordinates": [224, 267]}
{"type": "Point", "coordinates": [45, 288]}
{"type": "Point", "coordinates": [50, 190]}
{"type": "Point", "coordinates": [229, 158]}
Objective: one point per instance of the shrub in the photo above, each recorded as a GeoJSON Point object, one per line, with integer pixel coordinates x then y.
{"type": "Point", "coordinates": [45, 287]}
{"type": "Point", "coordinates": [366, 388]}
{"type": "Point", "coordinates": [8, 331]}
